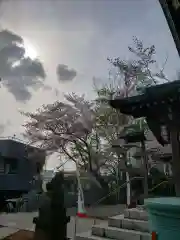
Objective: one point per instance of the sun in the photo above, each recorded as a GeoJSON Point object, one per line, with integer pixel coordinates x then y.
{"type": "Point", "coordinates": [30, 50]}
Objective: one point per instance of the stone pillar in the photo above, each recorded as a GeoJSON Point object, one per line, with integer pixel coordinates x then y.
{"type": "Point", "coordinates": [164, 217]}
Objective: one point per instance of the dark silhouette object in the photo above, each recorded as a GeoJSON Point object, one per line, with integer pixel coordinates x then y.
{"type": "Point", "coordinates": [42, 222]}
{"type": "Point", "coordinates": [52, 220]}
{"type": "Point", "coordinates": [59, 218]}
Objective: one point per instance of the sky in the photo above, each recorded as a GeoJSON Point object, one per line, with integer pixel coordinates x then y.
{"type": "Point", "coordinates": [72, 40]}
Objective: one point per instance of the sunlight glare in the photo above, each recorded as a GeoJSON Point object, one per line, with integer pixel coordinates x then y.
{"type": "Point", "coordinates": [30, 50]}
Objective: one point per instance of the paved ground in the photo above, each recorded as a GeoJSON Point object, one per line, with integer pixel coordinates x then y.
{"type": "Point", "coordinates": [24, 221]}
{"type": "Point", "coordinates": [16, 221]}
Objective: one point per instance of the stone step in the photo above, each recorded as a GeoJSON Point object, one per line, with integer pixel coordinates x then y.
{"type": "Point", "coordinates": [135, 213]}
{"type": "Point", "coordinates": [88, 236]}
{"type": "Point", "coordinates": [132, 224]}
{"type": "Point", "coordinates": [119, 233]}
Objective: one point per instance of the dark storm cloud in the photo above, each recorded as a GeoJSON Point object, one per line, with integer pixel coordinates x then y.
{"type": "Point", "coordinates": [8, 38]}
{"type": "Point", "coordinates": [64, 73]}
{"type": "Point", "coordinates": [18, 73]}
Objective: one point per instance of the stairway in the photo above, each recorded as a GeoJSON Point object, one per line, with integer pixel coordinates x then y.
{"type": "Point", "coordinates": [132, 225]}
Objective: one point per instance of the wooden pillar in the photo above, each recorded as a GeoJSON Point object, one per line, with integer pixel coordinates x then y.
{"type": "Point", "coordinates": [171, 24]}
{"type": "Point", "coordinates": [145, 168]}
{"type": "Point", "coordinates": [176, 158]}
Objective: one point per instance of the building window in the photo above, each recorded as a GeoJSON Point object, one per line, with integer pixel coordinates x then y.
{"type": "Point", "coordinates": [2, 169]}
{"type": "Point", "coordinates": [10, 165]}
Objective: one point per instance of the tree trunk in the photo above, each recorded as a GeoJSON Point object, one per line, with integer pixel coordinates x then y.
{"type": "Point", "coordinates": [176, 159]}
{"type": "Point", "coordinates": [90, 165]}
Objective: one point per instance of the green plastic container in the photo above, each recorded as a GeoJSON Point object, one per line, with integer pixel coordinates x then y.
{"type": "Point", "coordinates": [164, 217]}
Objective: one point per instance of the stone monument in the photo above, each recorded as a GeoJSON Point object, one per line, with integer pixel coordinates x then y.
{"type": "Point", "coordinates": [52, 220]}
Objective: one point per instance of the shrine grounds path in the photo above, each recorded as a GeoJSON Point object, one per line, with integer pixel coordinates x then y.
{"type": "Point", "coordinates": [16, 221]}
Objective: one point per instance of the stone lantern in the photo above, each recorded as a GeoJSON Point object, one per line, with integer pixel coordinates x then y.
{"type": "Point", "coordinates": [135, 137]}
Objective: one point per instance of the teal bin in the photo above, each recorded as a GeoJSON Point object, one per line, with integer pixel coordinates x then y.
{"type": "Point", "coordinates": [164, 217]}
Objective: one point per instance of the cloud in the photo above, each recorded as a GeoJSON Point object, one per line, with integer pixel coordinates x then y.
{"type": "Point", "coordinates": [18, 73]}
{"type": "Point", "coordinates": [64, 73]}
{"type": "Point", "coordinates": [4, 126]}
{"type": "Point", "coordinates": [8, 38]}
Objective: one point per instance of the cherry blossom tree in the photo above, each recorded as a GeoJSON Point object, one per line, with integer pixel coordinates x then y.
{"type": "Point", "coordinates": [55, 127]}
{"type": "Point", "coordinates": [68, 128]}
{"type": "Point", "coordinates": [83, 131]}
